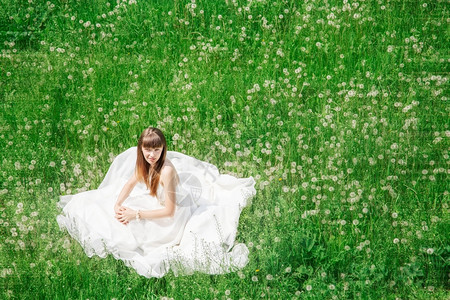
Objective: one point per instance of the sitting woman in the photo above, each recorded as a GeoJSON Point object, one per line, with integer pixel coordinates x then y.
{"type": "Point", "coordinates": [159, 210]}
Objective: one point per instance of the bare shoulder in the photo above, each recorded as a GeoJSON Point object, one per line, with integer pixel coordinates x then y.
{"type": "Point", "coordinates": [168, 172]}
{"type": "Point", "coordinates": [168, 168]}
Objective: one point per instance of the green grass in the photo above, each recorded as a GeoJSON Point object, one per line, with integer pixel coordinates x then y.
{"type": "Point", "coordinates": [338, 111]}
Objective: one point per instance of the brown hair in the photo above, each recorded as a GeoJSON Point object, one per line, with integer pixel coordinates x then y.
{"type": "Point", "coordinates": [150, 138]}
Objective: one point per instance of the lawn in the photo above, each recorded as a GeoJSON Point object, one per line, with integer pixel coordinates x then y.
{"type": "Point", "coordinates": [338, 109]}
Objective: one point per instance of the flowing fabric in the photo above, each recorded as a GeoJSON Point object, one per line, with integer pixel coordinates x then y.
{"type": "Point", "coordinates": [199, 237]}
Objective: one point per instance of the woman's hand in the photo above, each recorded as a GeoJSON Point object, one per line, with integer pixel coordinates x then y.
{"type": "Point", "coordinates": [125, 214]}
{"type": "Point", "coordinates": [117, 208]}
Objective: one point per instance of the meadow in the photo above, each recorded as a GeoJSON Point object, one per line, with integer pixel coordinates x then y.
{"type": "Point", "coordinates": [338, 109]}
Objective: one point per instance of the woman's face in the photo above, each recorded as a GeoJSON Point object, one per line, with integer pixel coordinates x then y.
{"type": "Point", "coordinates": [152, 155]}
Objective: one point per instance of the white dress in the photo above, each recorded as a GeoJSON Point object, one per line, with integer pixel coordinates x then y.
{"type": "Point", "coordinates": [199, 237]}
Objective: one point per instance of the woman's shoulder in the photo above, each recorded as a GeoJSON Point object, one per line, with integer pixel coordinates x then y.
{"type": "Point", "coordinates": [168, 172]}
{"type": "Point", "coordinates": [168, 168]}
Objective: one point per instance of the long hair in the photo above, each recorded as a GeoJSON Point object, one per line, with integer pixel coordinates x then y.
{"type": "Point", "coordinates": [150, 138]}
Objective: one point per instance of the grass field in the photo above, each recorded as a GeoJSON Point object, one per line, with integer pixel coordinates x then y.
{"type": "Point", "coordinates": [338, 109]}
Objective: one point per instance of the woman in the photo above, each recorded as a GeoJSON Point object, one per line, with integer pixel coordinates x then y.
{"type": "Point", "coordinates": [160, 210]}
{"type": "Point", "coordinates": [153, 169]}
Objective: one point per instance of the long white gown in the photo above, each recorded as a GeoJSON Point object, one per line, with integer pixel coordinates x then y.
{"type": "Point", "coordinates": [199, 237]}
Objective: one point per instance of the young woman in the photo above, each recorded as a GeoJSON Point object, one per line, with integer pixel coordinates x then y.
{"type": "Point", "coordinates": [154, 170]}
{"type": "Point", "coordinates": [159, 210]}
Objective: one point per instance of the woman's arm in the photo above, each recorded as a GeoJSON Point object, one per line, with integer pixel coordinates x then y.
{"type": "Point", "coordinates": [168, 178]}
{"type": "Point", "coordinates": [126, 190]}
